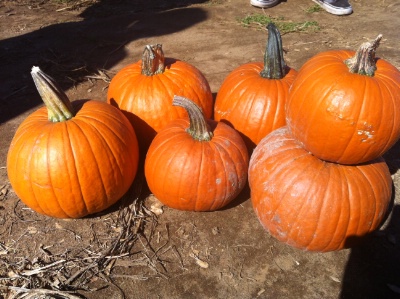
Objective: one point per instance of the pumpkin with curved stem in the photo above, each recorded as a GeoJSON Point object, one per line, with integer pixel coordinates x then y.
{"type": "Point", "coordinates": [344, 106]}
{"type": "Point", "coordinates": [196, 165]}
{"type": "Point", "coordinates": [252, 97]}
{"type": "Point", "coordinates": [69, 160]}
{"type": "Point", "coordinates": [143, 91]}
{"type": "Point", "coordinates": [312, 204]}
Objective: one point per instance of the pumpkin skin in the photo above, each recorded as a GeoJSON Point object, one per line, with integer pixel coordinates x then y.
{"type": "Point", "coordinates": [146, 98]}
{"type": "Point", "coordinates": [252, 98]}
{"type": "Point", "coordinates": [76, 167]}
{"type": "Point", "coordinates": [341, 116]}
{"type": "Point", "coordinates": [192, 175]}
{"type": "Point", "coordinates": [312, 204]}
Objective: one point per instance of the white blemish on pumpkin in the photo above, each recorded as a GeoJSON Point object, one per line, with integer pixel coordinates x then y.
{"type": "Point", "coordinates": [218, 181]}
{"type": "Point", "coordinates": [366, 133]}
{"type": "Point", "coordinates": [276, 218]}
{"type": "Point", "coordinates": [339, 106]}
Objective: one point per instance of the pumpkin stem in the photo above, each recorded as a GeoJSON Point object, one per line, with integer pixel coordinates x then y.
{"type": "Point", "coordinates": [274, 65]}
{"type": "Point", "coordinates": [153, 60]}
{"type": "Point", "coordinates": [58, 105]}
{"type": "Point", "coordinates": [363, 62]}
{"type": "Point", "coordinates": [198, 128]}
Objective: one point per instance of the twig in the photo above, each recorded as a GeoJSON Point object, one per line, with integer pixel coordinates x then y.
{"type": "Point", "coordinates": [34, 292]}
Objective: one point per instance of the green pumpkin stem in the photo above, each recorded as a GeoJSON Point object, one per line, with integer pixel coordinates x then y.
{"type": "Point", "coordinates": [153, 60]}
{"type": "Point", "coordinates": [198, 128]}
{"type": "Point", "coordinates": [58, 105]}
{"type": "Point", "coordinates": [363, 62]}
{"type": "Point", "coordinates": [274, 65]}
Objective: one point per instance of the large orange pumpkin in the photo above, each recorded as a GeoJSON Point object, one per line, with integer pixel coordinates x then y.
{"type": "Point", "coordinates": [70, 160]}
{"type": "Point", "coordinates": [252, 97]}
{"type": "Point", "coordinates": [312, 204]}
{"type": "Point", "coordinates": [143, 91]}
{"type": "Point", "coordinates": [196, 165]}
{"type": "Point", "coordinates": [344, 106]}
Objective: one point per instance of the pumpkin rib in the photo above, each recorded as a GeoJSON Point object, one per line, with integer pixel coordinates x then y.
{"type": "Point", "coordinates": [164, 179]}
{"type": "Point", "coordinates": [277, 172]}
{"type": "Point", "coordinates": [337, 218]}
{"type": "Point", "coordinates": [218, 148]}
{"type": "Point", "coordinates": [74, 169]}
{"type": "Point", "coordinates": [394, 110]}
{"type": "Point", "coordinates": [376, 196]}
{"type": "Point", "coordinates": [199, 190]}
{"type": "Point", "coordinates": [345, 189]}
{"type": "Point", "coordinates": [380, 175]}
{"type": "Point", "coordinates": [322, 208]}
{"type": "Point", "coordinates": [118, 137]}
{"type": "Point", "coordinates": [29, 164]}
{"type": "Point", "coordinates": [49, 174]}
{"type": "Point", "coordinates": [111, 153]}
{"type": "Point", "coordinates": [79, 178]}
{"type": "Point", "coordinates": [303, 204]}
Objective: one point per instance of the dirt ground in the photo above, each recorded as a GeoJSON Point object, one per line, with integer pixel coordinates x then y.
{"type": "Point", "coordinates": [168, 253]}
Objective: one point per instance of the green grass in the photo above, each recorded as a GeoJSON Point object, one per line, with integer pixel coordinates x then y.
{"type": "Point", "coordinates": [314, 8]}
{"type": "Point", "coordinates": [284, 26]}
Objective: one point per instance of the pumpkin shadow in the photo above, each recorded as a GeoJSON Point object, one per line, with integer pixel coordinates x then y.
{"type": "Point", "coordinates": [392, 158]}
{"type": "Point", "coordinates": [373, 266]}
{"type": "Point", "coordinates": [70, 51]}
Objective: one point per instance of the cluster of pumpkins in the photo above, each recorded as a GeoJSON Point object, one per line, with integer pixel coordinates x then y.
{"type": "Point", "coordinates": [309, 143]}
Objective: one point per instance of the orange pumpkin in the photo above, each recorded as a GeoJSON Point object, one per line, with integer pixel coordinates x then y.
{"type": "Point", "coordinates": [344, 106]}
{"type": "Point", "coordinates": [312, 204]}
{"type": "Point", "coordinates": [69, 160]}
{"type": "Point", "coordinates": [252, 97]}
{"type": "Point", "coordinates": [196, 165]}
{"type": "Point", "coordinates": [143, 91]}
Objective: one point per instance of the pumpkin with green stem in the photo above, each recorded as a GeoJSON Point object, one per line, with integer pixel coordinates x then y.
{"type": "Point", "coordinates": [196, 164]}
{"type": "Point", "coordinates": [344, 106]}
{"type": "Point", "coordinates": [143, 91]}
{"type": "Point", "coordinates": [252, 97]}
{"type": "Point", "coordinates": [71, 159]}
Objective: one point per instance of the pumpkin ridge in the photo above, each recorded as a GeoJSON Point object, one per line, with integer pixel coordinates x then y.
{"type": "Point", "coordinates": [68, 147]}
{"type": "Point", "coordinates": [182, 170]}
{"type": "Point", "coordinates": [393, 132]}
{"type": "Point", "coordinates": [280, 171]}
{"type": "Point", "coordinates": [197, 203]}
{"type": "Point", "coordinates": [380, 175]}
{"type": "Point", "coordinates": [303, 203]}
{"type": "Point", "coordinates": [29, 167]}
{"type": "Point", "coordinates": [278, 106]}
{"type": "Point", "coordinates": [120, 138]}
{"type": "Point", "coordinates": [221, 162]}
{"type": "Point", "coordinates": [113, 155]}
{"type": "Point", "coordinates": [76, 170]}
{"type": "Point", "coordinates": [193, 76]}
{"type": "Point", "coordinates": [338, 215]}
{"type": "Point", "coordinates": [282, 167]}
{"type": "Point", "coordinates": [376, 195]}
{"type": "Point", "coordinates": [54, 194]}
{"type": "Point", "coordinates": [83, 134]}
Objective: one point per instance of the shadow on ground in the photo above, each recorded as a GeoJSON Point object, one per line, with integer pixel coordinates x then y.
{"type": "Point", "coordinates": [69, 51]}
{"type": "Point", "coordinates": [373, 268]}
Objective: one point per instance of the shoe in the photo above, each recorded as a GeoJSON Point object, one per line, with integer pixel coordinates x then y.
{"type": "Point", "coordinates": [336, 7]}
{"type": "Point", "coordinates": [264, 3]}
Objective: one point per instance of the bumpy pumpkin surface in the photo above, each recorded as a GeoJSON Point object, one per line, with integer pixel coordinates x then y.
{"type": "Point", "coordinates": [144, 91]}
{"type": "Point", "coordinates": [75, 167]}
{"type": "Point", "coordinates": [344, 115]}
{"type": "Point", "coordinates": [196, 165]}
{"type": "Point", "coordinates": [312, 204]}
{"type": "Point", "coordinates": [252, 98]}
